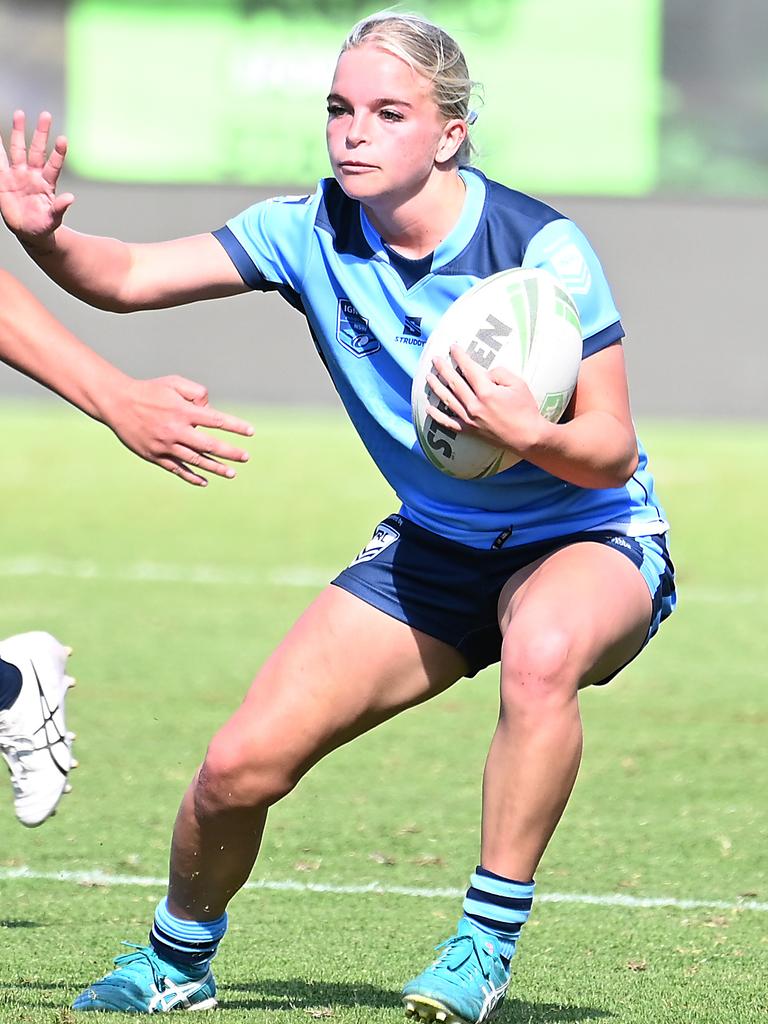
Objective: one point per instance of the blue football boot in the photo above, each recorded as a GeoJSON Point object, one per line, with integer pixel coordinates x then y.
{"type": "Point", "coordinates": [143, 983]}
{"type": "Point", "coordinates": [465, 985]}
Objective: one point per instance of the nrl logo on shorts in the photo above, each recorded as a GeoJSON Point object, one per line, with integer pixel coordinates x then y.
{"type": "Point", "coordinates": [382, 537]}
{"type": "Point", "coordinates": [353, 332]}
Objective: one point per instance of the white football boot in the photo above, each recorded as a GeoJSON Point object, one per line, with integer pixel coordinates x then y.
{"type": "Point", "coordinates": [33, 735]}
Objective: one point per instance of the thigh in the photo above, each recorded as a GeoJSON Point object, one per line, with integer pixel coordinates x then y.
{"type": "Point", "coordinates": [592, 596]}
{"type": "Point", "coordinates": [343, 668]}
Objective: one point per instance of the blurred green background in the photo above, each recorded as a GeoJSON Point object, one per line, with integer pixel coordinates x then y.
{"type": "Point", "coordinates": [599, 97]}
{"type": "Point", "coordinates": [243, 99]}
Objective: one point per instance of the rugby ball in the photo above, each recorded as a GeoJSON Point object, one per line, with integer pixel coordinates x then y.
{"type": "Point", "coordinates": [520, 319]}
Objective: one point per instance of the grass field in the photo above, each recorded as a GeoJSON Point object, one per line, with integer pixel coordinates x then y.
{"type": "Point", "coordinates": [171, 598]}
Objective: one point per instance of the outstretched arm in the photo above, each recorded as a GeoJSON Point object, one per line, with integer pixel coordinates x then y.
{"type": "Point", "coordinates": [104, 272]}
{"type": "Point", "coordinates": [156, 419]}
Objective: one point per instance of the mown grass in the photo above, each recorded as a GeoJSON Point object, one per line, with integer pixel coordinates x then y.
{"type": "Point", "coordinates": [171, 598]}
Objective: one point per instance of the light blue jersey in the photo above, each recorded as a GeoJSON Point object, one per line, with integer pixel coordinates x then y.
{"type": "Point", "coordinates": [370, 311]}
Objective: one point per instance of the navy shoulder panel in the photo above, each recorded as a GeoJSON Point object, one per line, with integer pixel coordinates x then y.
{"type": "Point", "coordinates": [340, 217]}
{"type": "Point", "coordinates": [509, 221]}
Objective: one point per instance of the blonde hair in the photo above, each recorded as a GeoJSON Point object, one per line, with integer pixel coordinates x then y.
{"type": "Point", "coordinates": [431, 52]}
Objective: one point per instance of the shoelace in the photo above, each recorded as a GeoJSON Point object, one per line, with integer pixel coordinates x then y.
{"type": "Point", "coordinates": [458, 955]}
{"type": "Point", "coordinates": [141, 954]}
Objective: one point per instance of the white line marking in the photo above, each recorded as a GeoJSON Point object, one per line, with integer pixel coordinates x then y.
{"type": "Point", "coordinates": [286, 576]}
{"type": "Point", "coordinates": [102, 878]}
{"type": "Point", "coordinates": [154, 572]}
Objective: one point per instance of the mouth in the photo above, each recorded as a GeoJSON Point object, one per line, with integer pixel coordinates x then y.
{"type": "Point", "coordinates": [356, 166]}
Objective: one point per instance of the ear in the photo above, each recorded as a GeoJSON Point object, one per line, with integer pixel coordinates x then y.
{"type": "Point", "coordinates": [454, 133]}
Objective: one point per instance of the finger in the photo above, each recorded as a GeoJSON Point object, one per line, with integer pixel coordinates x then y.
{"type": "Point", "coordinates": [55, 161]}
{"type": "Point", "coordinates": [4, 166]}
{"type": "Point", "coordinates": [189, 390]}
{"type": "Point", "coordinates": [455, 380]}
{"type": "Point", "coordinates": [201, 461]}
{"type": "Point", "coordinates": [62, 203]}
{"type": "Point", "coordinates": [178, 469]}
{"type": "Point", "coordinates": [210, 417]}
{"type": "Point", "coordinates": [440, 415]}
{"type": "Point", "coordinates": [475, 376]}
{"type": "Point", "coordinates": [18, 140]}
{"type": "Point", "coordinates": [446, 398]}
{"type": "Point", "coordinates": [204, 444]}
{"type": "Point", "coordinates": [205, 415]}
{"type": "Point", "coordinates": [39, 143]}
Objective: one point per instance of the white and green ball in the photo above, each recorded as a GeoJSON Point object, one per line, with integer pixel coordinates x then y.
{"type": "Point", "coordinates": [520, 319]}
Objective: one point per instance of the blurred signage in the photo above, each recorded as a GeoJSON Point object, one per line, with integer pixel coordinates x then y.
{"type": "Point", "coordinates": [235, 92]}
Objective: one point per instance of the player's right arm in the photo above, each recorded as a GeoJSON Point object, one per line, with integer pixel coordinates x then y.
{"type": "Point", "coordinates": [105, 272]}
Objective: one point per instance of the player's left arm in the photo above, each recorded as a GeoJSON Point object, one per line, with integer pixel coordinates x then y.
{"type": "Point", "coordinates": [155, 419]}
{"type": "Point", "coordinates": [594, 445]}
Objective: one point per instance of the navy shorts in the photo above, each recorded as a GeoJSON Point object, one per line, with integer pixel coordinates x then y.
{"type": "Point", "coordinates": [450, 591]}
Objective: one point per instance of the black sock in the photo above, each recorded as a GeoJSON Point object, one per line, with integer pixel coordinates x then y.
{"type": "Point", "coordinates": [10, 684]}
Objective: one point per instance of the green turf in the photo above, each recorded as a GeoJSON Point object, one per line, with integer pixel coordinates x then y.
{"type": "Point", "coordinates": [670, 801]}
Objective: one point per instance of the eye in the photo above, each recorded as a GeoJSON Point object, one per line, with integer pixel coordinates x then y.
{"type": "Point", "coordinates": [336, 110]}
{"type": "Point", "coordinates": [391, 115]}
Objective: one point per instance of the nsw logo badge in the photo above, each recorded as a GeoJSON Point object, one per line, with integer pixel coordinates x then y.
{"type": "Point", "coordinates": [353, 332]}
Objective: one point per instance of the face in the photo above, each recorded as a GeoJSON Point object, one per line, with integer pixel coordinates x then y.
{"type": "Point", "coordinates": [385, 133]}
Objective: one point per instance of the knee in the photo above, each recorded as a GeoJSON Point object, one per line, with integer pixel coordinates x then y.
{"type": "Point", "coordinates": [239, 776]}
{"type": "Point", "coordinates": [538, 668]}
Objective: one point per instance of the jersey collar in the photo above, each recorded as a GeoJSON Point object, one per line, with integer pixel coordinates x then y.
{"type": "Point", "coordinates": [461, 235]}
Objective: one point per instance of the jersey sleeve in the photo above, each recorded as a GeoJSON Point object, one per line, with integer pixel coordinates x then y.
{"type": "Point", "coordinates": [269, 242]}
{"type": "Point", "coordinates": [562, 249]}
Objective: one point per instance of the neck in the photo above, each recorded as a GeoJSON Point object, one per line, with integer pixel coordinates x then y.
{"type": "Point", "coordinates": [415, 225]}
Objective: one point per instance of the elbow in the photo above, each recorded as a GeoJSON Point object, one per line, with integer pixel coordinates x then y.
{"type": "Point", "coordinates": [125, 291]}
{"type": "Point", "coordinates": [116, 302]}
{"type": "Point", "coordinates": [623, 469]}
{"type": "Point", "coordinates": [127, 307]}
{"type": "Point", "coordinates": [114, 306]}
{"type": "Point", "coordinates": [615, 468]}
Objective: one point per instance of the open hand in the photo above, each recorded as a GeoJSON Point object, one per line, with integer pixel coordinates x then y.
{"type": "Point", "coordinates": [28, 201]}
{"type": "Point", "coordinates": [157, 418]}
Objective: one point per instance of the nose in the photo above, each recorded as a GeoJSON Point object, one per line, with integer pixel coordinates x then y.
{"type": "Point", "coordinates": [356, 131]}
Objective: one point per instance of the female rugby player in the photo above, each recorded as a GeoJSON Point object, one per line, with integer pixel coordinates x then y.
{"type": "Point", "coordinates": [556, 568]}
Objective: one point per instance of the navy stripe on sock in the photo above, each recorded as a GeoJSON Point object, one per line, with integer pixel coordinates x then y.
{"type": "Point", "coordinates": [512, 931]}
{"type": "Point", "coordinates": [510, 902]}
{"type": "Point", "coordinates": [178, 957]}
{"type": "Point", "coordinates": [185, 945]}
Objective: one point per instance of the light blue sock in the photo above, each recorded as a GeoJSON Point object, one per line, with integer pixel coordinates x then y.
{"type": "Point", "coordinates": [499, 907]}
{"type": "Point", "coordinates": [187, 943]}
